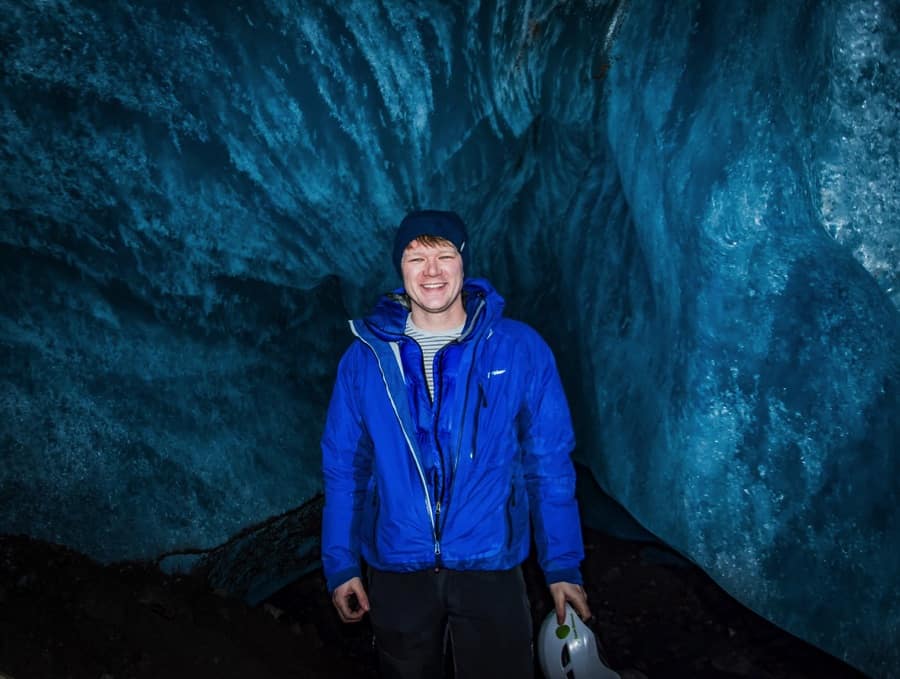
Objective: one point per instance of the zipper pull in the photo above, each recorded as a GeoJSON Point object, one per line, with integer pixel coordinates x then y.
{"type": "Point", "coordinates": [437, 556]}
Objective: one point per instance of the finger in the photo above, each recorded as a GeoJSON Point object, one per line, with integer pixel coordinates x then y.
{"type": "Point", "coordinates": [559, 602]}
{"type": "Point", "coordinates": [580, 604]}
{"type": "Point", "coordinates": [345, 612]}
{"type": "Point", "coordinates": [362, 598]}
{"type": "Point", "coordinates": [337, 602]}
{"type": "Point", "coordinates": [356, 603]}
{"type": "Point", "coordinates": [341, 600]}
{"type": "Point", "coordinates": [351, 601]}
{"type": "Point", "coordinates": [354, 616]}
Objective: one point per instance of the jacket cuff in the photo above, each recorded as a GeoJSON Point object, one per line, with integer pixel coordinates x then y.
{"type": "Point", "coordinates": [335, 580]}
{"type": "Point", "coordinates": [572, 575]}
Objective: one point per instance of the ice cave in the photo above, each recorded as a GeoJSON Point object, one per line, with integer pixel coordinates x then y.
{"type": "Point", "coordinates": [695, 203]}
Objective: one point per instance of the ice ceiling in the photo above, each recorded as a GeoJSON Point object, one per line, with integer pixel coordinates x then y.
{"type": "Point", "coordinates": [695, 202]}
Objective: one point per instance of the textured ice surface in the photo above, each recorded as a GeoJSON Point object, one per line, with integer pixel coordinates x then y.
{"type": "Point", "coordinates": [749, 379]}
{"type": "Point", "coordinates": [696, 203]}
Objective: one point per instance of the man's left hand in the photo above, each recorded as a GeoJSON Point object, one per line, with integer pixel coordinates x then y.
{"type": "Point", "coordinates": [575, 595]}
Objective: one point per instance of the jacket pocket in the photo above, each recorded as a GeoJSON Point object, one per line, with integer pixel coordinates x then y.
{"type": "Point", "coordinates": [510, 523]}
{"type": "Point", "coordinates": [479, 407]}
{"type": "Point", "coordinates": [373, 508]}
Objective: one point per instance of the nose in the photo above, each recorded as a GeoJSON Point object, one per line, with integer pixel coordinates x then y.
{"type": "Point", "coordinates": [431, 266]}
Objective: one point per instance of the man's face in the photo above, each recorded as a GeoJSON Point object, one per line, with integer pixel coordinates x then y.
{"type": "Point", "coordinates": [433, 278]}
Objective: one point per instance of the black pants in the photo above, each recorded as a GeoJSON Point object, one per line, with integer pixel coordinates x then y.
{"type": "Point", "coordinates": [484, 614]}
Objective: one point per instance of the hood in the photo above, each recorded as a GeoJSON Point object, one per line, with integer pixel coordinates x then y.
{"type": "Point", "coordinates": [388, 319]}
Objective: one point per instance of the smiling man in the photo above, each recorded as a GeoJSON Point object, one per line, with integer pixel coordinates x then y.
{"type": "Point", "coordinates": [433, 279]}
{"type": "Point", "coordinates": [448, 437]}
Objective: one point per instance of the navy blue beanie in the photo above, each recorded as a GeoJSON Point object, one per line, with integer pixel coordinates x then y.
{"type": "Point", "coordinates": [447, 225]}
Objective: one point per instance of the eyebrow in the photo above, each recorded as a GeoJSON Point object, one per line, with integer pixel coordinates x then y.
{"type": "Point", "coordinates": [421, 251]}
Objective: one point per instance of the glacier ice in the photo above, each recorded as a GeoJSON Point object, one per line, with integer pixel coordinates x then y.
{"type": "Point", "coordinates": [696, 203]}
{"type": "Point", "coordinates": [754, 377]}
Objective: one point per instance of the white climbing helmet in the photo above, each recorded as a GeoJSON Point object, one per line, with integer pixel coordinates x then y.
{"type": "Point", "coordinates": [570, 650]}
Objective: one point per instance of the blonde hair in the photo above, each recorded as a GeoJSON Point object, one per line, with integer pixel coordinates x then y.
{"type": "Point", "coordinates": [429, 241]}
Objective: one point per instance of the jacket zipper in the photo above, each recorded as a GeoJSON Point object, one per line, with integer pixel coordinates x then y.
{"type": "Point", "coordinates": [433, 514]}
{"type": "Point", "coordinates": [438, 527]}
{"type": "Point", "coordinates": [437, 536]}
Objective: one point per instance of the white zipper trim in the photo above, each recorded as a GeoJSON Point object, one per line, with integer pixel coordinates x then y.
{"type": "Point", "coordinates": [412, 450]}
{"type": "Point", "coordinates": [395, 347]}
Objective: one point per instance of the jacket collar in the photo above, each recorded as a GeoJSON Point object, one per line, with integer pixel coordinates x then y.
{"type": "Point", "coordinates": [387, 322]}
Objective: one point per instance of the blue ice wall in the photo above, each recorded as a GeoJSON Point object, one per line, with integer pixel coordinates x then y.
{"type": "Point", "coordinates": [694, 202]}
{"type": "Point", "coordinates": [744, 346]}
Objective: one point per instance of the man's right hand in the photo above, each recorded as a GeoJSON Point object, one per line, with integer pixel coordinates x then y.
{"type": "Point", "coordinates": [350, 600]}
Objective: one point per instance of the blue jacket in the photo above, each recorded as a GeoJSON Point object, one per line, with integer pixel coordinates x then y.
{"type": "Point", "coordinates": [411, 485]}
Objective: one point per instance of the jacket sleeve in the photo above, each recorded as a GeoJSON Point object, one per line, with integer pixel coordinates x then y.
{"type": "Point", "coordinates": [346, 468]}
{"type": "Point", "coordinates": [548, 440]}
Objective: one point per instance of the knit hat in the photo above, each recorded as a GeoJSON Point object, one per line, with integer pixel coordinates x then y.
{"type": "Point", "coordinates": [447, 225]}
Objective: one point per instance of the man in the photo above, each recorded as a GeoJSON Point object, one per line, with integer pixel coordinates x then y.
{"type": "Point", "coordinates": [448, 433]}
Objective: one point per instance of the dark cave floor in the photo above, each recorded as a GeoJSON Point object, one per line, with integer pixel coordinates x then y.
{"type": "Point", "coordinates": [64, 616]}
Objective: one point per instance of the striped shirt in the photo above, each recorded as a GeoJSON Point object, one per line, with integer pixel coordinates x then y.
{"type": "Point", "coordinates": [430, 343]}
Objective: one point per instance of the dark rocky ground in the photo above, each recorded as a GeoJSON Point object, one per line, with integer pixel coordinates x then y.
{"type": "Point", "coordinates": [63, 615]}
